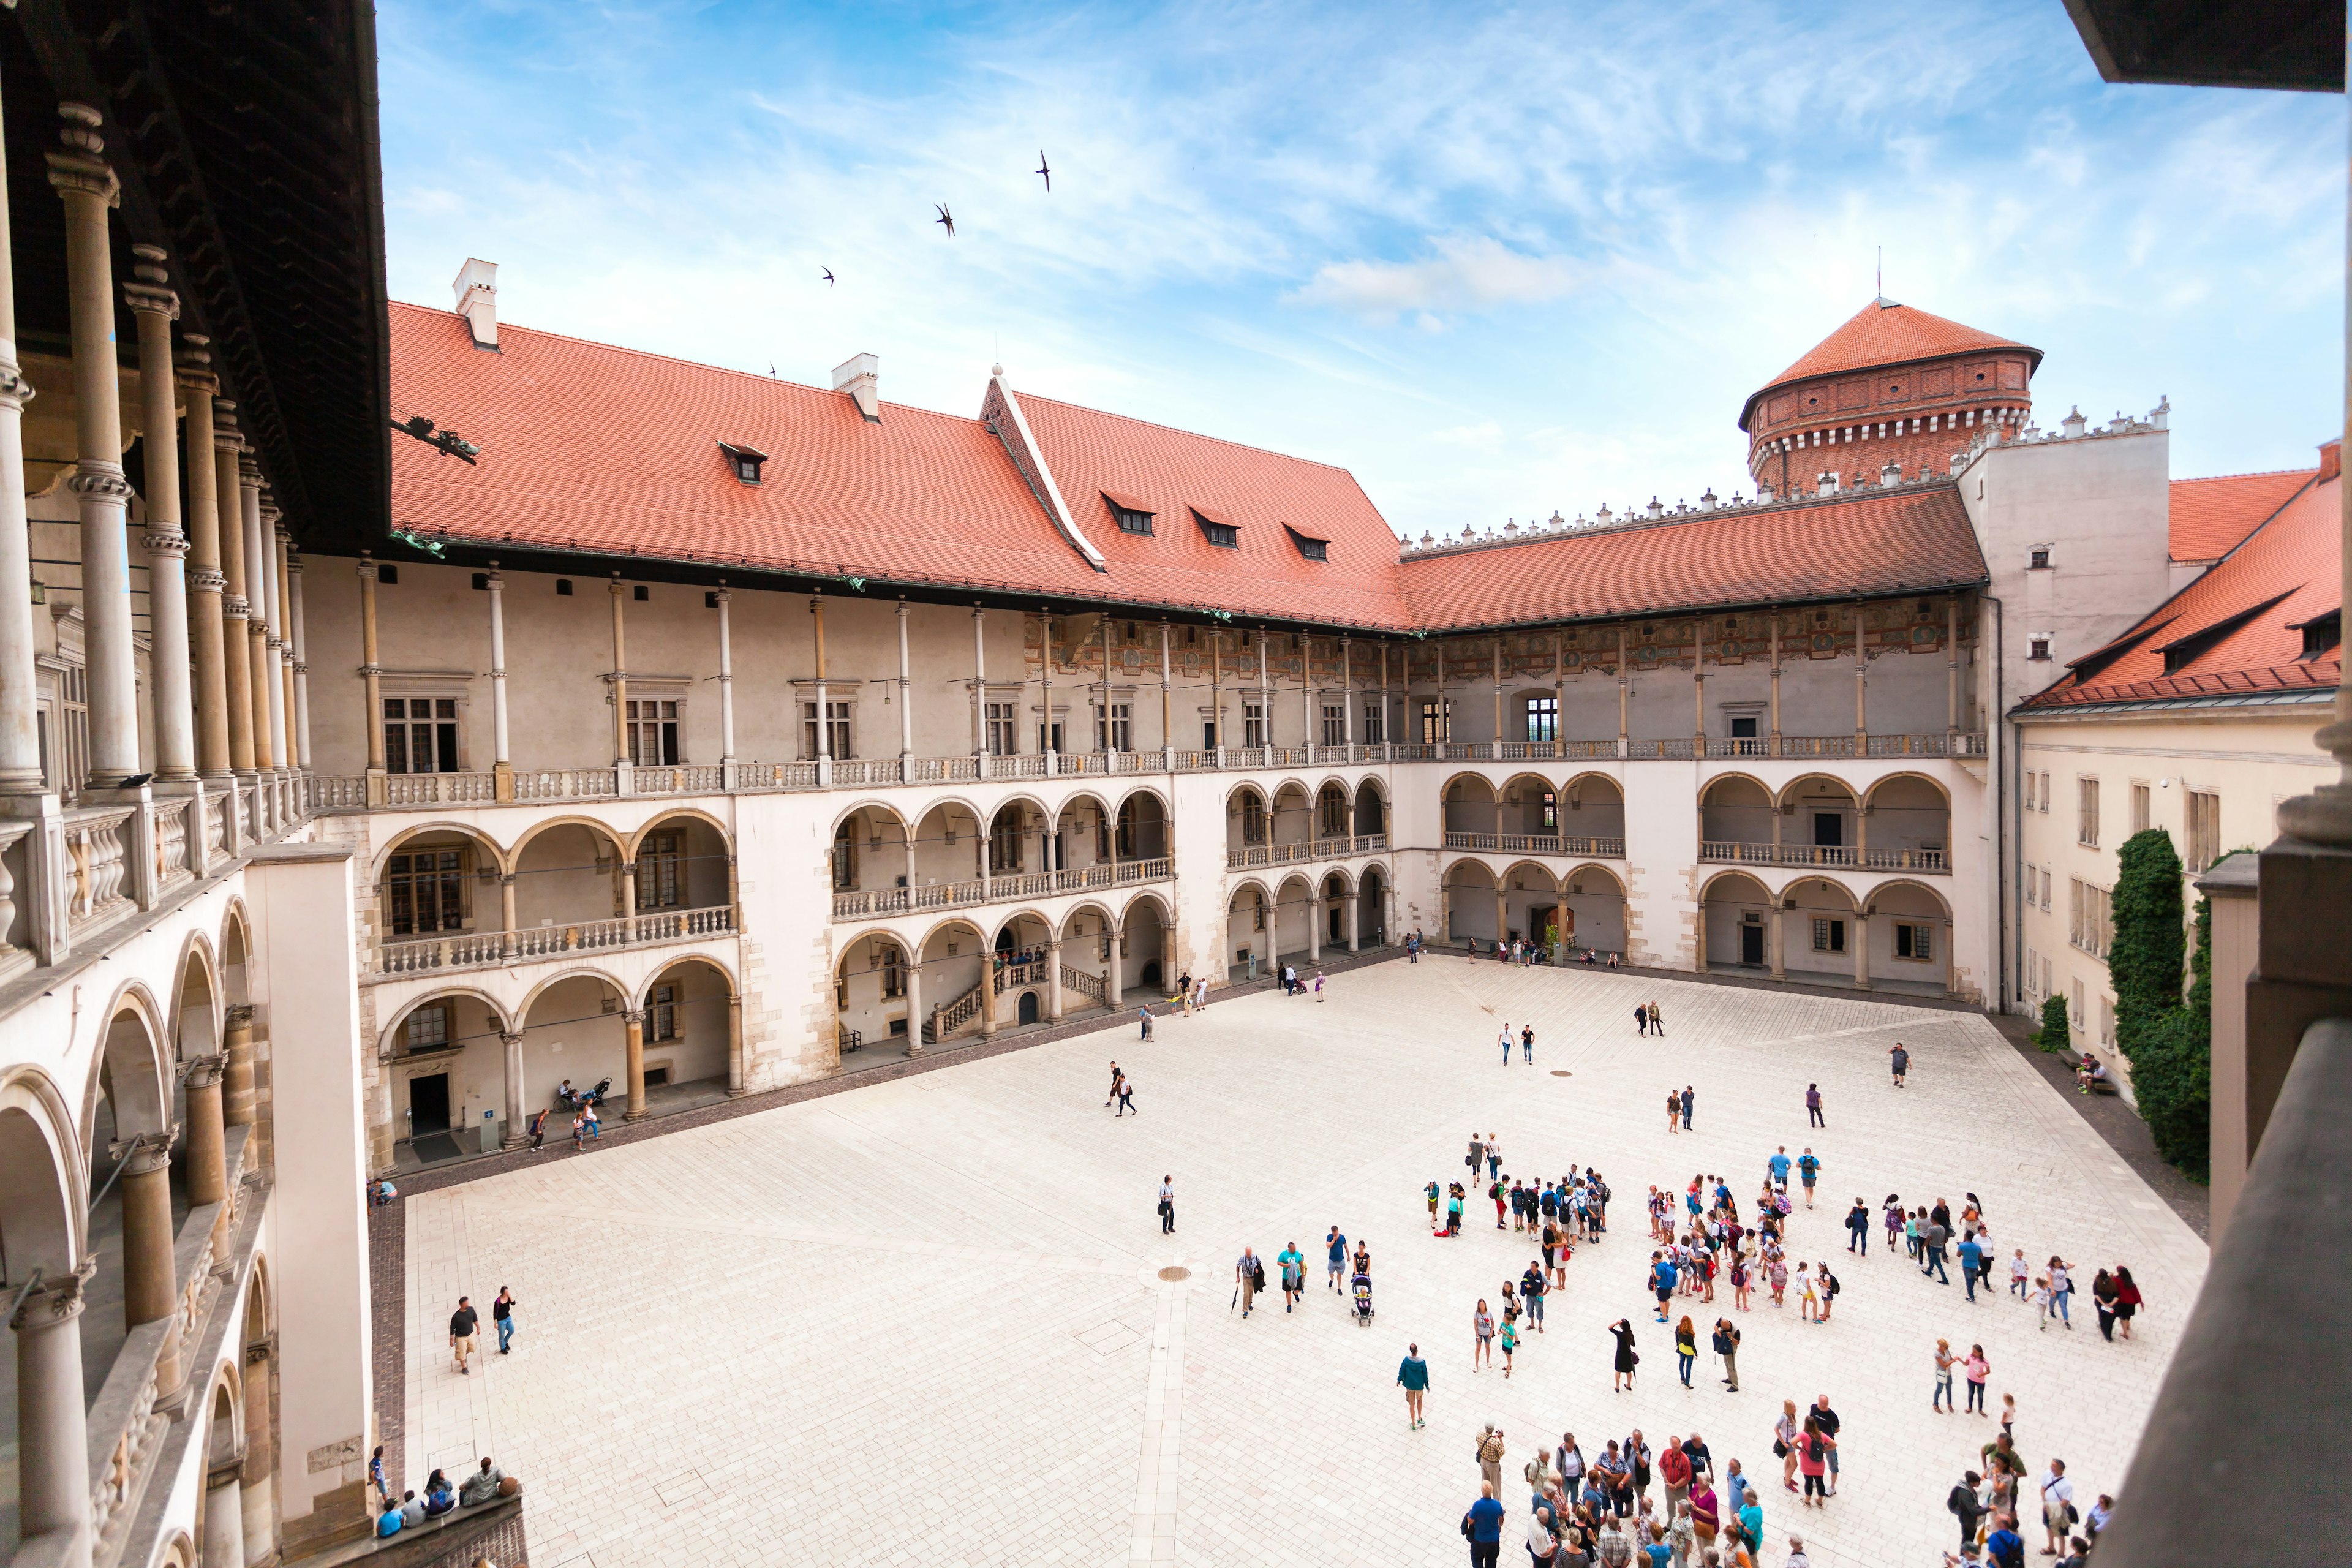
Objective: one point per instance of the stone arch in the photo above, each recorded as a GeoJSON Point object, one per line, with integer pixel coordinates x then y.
{"type": "Point", "coordinates": [696, 872]}
{"type": "Point", "coordinates": [1735, 918]}
{"type": "Point", "coordinates": [235, 949]}
{"type": "Point", "coordinates": [179, 1551]}
{"type": "Point", "coordinates": [223, 1408]}
{"type": "Point", "coordinates": [540, 829]}
{"type": "Point", "coordinates": [133, 1066]}
{"type": "Point", "coordinates": [867, 803]}
{"type": "Point", "coordinates": [1371, 798]}
{"type": "Point", "coordinates": [580, 972]}
{"type": "Point", "coordinates": [1742, 884]}
{"type": "Point", "coordinates": [1870, 794]}
{"type": "Point", "coordinates": [1531, 873]}
{"type": "Point", "coordinates": [947, 923]}
{"type": "Point", "coordinates": [1332, 805]}
{"type": "Point", "coordinates": [1141, 821]}
{"type": "Point", "coordinates": [259, 1345]}
{"type": "Point", "coordinates": [1145, 791]}
{"type": "Point", "coordinates": [1101, 911]}
{"type": "Point", "coordinates": [688, 1021]}
{"type": "Point", "coordinates": [1735, 808]}
{"type": "Point", "coordinates": [1907, 823]}
{"type": "Point", "coordinates": [44, 1177]}
{"type": "Point", "coordinates": [1373, 888]}
{"type": "Point", "coordinates": [1160, 906]}
{"type": "Point", "coordinates": [1025, 809]}
{"type": "Point", "coordinates": [1147, 943]}
{"type": "Point", "coordinates": [1471, 803]}
{"type": "Point", "coordinates": [1337, 882]}
{"type": "Point", "coordinates": [198, 1011]}
{"type": "Point", "coordinates": [1789, 792]}
{"type": "Point", "coordinates": [1013, 921]}
{"type": "Point", "coordinates": [1884, 891]}
{"type": "Point", "coordinates": [389, 1032]}
{"type": "Point", "coordinates": [499, 858]}
{"type": "Point", "coordinates": [1249, 816]}
{"type": "Point", "coordinates": [693, 812]}
{"type": "Point", "coordinates": [705, 960]}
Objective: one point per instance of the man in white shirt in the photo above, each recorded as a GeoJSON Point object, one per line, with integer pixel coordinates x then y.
{"type": "Point", "coordinates": [2057, 1498]}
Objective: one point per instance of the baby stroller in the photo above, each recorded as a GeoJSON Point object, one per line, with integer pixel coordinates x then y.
{"type": "Point", "coordinates": [1361, 1289]}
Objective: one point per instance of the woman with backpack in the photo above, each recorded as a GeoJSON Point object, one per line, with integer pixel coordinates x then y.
{"type": "Point", "coordinates": [1965, 1504]}
{"type": "Point", "coordinates": [1813, 1447]}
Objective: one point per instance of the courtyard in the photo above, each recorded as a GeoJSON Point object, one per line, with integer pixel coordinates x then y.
{"type": "Point", "coordinates": [932, 1320]}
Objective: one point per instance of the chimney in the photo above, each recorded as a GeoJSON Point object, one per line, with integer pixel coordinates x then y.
{"type": "Point", "coordinates": [860, 375]}
{"type": "Point", "coordinates": [1707, 502]}
{"type": "Point", "coordinates": [1825, 484]}
{"type": "Point", "coordinates": [1890, 476]}
{"type": "Point", "coordinates": [2331, 459]}
{"type": "Point", "coordinates": [2073, 425]}
{"type": "Point", "coordinates": [477, 289]}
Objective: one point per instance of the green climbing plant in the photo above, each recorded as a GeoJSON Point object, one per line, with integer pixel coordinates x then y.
{"type": "Point", "coordinates": [2145, 962]}
{"type": "Point", "coordinates": [2055, 1035]}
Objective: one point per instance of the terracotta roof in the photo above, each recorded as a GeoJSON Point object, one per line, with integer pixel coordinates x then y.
{"type": "Point", "coordinates": [1867, 542]}
{"type": "Point", "coordinates": [1174, 474]}
{"type": "Point", "coordinates": [2210, 516]}
{"type": "Point", "coordinates": [2234, 629]}
{"type": "Point", "coordinates": [1884, 332]}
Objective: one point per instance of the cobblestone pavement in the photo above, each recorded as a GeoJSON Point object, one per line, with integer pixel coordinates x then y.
{"type": "Point", "coordinates": [927, 1320]}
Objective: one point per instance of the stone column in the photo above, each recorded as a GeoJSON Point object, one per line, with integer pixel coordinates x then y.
{"type": "Point", "coordinates": [101, 494]}
{"type": "Point", "coordinates": [1348, 696]}
{"type": "Point", "coordinates": [1355, 920]}
{"type": "Point", "coordinates": [260, 582]}
{"type": "Point", "coordinates": [1315, 923]}
{"type": "Point", "coordinates": [980, 693]}
{"type": "Point", "coordinates": [1624, 696]}
{"type": "Point", "coordinates": [1699, 693]}
{"type": "Point", "coordinates": [620, 679]}
{"type": "Point", "coordinates": [52, 1430]}
{"type": "Point", "coordinates": [1045, 690]}
{"type": "Point", "coordinates": [914, 1006]}
{"type": "Point", "coordinates": [1114, 984]}
{"type": "Point", "coordinates": [1217, 691]}
{"type": "Point", "coordinates": [207, 1158]}
{"type": "Point", "coordinates": [224, 1512]}
{"type": "Point", "coordinates": [1502, 912]}
{"type": "Point", "coordinates": [987, 992]}
{"type": "Point", "coordinates": [371, 681]}
{"type": "Point", "coordinates": [501, 753]}
{"type": "Point", "coordinates": [1168, 971]}
{"type": "Point", "coordinates": [151, 1289]}
{"type": "Point", "coordinates": [1498, 697]}
{"type": "Point", "coordinates": [205, 583]}
{"type": "Point", "coordinates": [296, 639]}
{"type": "Point", "coordinates": [166, 546]}
{"type": "Point", "coordinates": [1559, 695]}
{"type": "Point", "coordinates": [635, 1020]}
{"type": "Point", "coordinates": [1776, 682]}
{"type": "Point", "coordinates": [1053, 981]}
{"type": "Point", "coordinates": [1951, 673]}
{"type": "Point", "coordinates": [1265, 715]}
{"type": "Point", "coordinates": [1861, 948]}
{"type": "Point", "coordinates": [289, 748]}
{"type": "Point", "coordinates": [260, 1465]}
{"type": "Point", "coordinates": [1860, 680]}
{"type": "Point", "coordinates": [1167, 704]}
{"type": "Point", "coordinates": [906, 710]}
{"type": "Point", "coordinates": [726, 682]}
{"type": "Point", "coordinates": [735, 1088]}
{"type": "Point", "coordinates": [236, 610]}
{"type": "Point", "coordinates": [517, 1132]}
{"type": "Point", "coordinates": [237, 1100]}
{"type": "Point", "coordinates": [1779, 939]}
{"type": "Point", "coordinates": [20, 745]}
{"type": "Point", "coordinates": [824, 706]}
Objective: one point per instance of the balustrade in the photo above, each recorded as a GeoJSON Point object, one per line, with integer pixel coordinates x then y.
{"type": "Point", "coordinates": [469, 950]}
{"type": "Point", "coordinates": [1538, 843]}
{"type": "Point", "coordinates": [1929, 859]}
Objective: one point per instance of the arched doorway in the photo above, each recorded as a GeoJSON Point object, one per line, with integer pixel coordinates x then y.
{"type": "Point", "coordinates": [1371, 906]}
{"type": "Point", "coordinates": [689, 1029]}
{"type": "Point", "coordinates": [1470, 904]}
{"type": "Point", "coordinates": [869, 993]}
{"type": "Point", "coordinates": [1028, 1009]}
{"type": "Point", "coordinates": [1593, 918]}
{"type": "Point", "coordinates": [1821, 932]}
{"type": "Point", "coordinates": [1371, 809]}
{"type": "Point", "coordinates": [1736, 922]}
{"type": "Point", "coordinates": [1821, 823]}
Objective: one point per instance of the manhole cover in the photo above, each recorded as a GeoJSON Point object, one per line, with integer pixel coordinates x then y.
{"type": "Point", "coordinates": [1559, 1072]}
{"type": "Point", "coordinates": [1174, 1271]}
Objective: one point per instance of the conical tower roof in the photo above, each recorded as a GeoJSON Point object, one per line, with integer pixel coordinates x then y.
{"type": "Point", "coordinates": [1881, 333]}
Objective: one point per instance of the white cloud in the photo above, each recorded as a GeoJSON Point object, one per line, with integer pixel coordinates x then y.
{"type": "Point", "coordinates": [1464, 275]}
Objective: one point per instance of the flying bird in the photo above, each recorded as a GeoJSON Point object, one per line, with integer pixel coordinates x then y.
{"type": "Point", "coordinates": [771, 367]}
{"type": "Point", "coordinates": [828, 276]}
{"type": "Point", "coordinates": [1046, 169]}
{"type": "Point", "coordinates": [945, 218]}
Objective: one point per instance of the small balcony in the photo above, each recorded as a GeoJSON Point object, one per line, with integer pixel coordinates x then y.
{"type": "Point", "coordinates": [1733, 853]}
{"type": "Point", "coordinates": [1538, 844]}
{"type": "Point", "coordinates": [494, 949]}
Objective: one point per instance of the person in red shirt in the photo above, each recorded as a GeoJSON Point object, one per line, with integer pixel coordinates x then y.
{"type": "Point", "coordinates": [1675, 1470]}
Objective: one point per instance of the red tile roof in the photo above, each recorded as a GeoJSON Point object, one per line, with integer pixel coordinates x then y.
{"type": "Point", "coordinates": [2234, 629]}
{"type": "Point", "coordinates": [1884, 332]}
{"type": "Point", "coordinates": [1868, 541]}
{"type": "Point", "coordinates": [2210, 516]}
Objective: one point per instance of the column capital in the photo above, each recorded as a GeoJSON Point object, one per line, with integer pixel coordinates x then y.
{"type": "Point", "coordinates": [192, 367]}
{"type": "Point", "coordinates": [55, 1300]}
{"type": "Point", "coordinates": [14, 390]}
{"type": "Point", "coordinates": [226, 437]}
{"type": "Point", "coordinates": [97, 477]}
{"type": "Point", "coordinates": [80, 167]}
{"type": "Point", "coordinates": [367, 568]}
{"type": "Point", "coordinates": [248, 471]}
{"type": "Point", "coordinates": [240, 1014]}
{"type": "Point", "coordinates": [514, 1038]}
{"type": "Point", "coordinates": [144, 299]}
{"type": "Point", "coordinates": [172, 543]}
{"type": "Point", "coordinates": [225, 1472]}
{"type": "Point", "coordinates": [145, 1153]}
{"type": "Point", "coordinates": [206, 1072]}
{"type": "Point", "coordinates": [634, 1015]}
{"type": "Point", "coordinates": [234, 606]}
{"type": "Point", "coordinates": [202, 580]}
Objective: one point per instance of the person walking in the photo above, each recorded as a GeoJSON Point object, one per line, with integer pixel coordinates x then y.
{"type": "Point", "coordinates": [1412, 1376]}
{"type": "Point", "coordinates": [1483, 1527]}
{"type": "Point", "coordinates": [1126, 1097]}
{"type": "Point", "coordinates": [1685, 1348]}
{"type": "Point", "coordinates": [1482, 1329]}
{"type": "Point", "coordinates": [1674, 1472]}
{"type": "Point", "coordinates": [1478, 1156]}
{"type": "Point", "coordinates": [1857, 1224]}
{"type": "Point", "coordinates": [1642, 1017]}
{"type": "Point", "coordinates": [2057, 1507]}
{"type": "Point", "coordinates": [1527, 1044]}
{"type": "Point", "coordinates": [1143, 1015]}
{"type": "Point", "coordinates": [1167, 1205]}
{"type": "Point", "coordinates": [2061, 1290]}
{"type": "Point", "coordinates": [1319, 985]}
{"type": "Point", "coordinates": [1901, 1060]}
{"type": "Point", "coordinates": [1809, 1171]}
{"type": "Point", "coordinates": [1814, 1105]}
{"type": "Point", "coordinates": [1972, 1262]}
{"type": "Point", "coordinates": [2102, 1300]}
{"type": "Point", "coordinates": [462, 1324]}
{"type": "Point", "coordinates": [1494, 1157]}
{"type": "Point", "coordinates": [502, 1315]}
{"type": "Point", "coordinates": [1673, 1112]}
{"type": "Point", "coordinates": [1689, 1100]}
{"type": "Point", "coordinates": [1931, 1245]}
{"type": "Point", "coordinates": [1490, 1458]}
{"type": "Point", "coordinates": [1657, 1022]}
{"type": "Point", "coordinates": [1976, 1369]}
{"type": "Point", "coordinates": [1510, 1339]}
{"type": "Point", "coordinates": [1785, 1432]}
{"type": "Point", "coordinates": [1621, 1330]}
{"type": "Point", "coordinates": [1248, 1275]}
{"type": "Point", "coordinates": [1506, 1045]}
{"type": "Point", "coordinates": [1334, 1256]}
{"type": "Point", "coordinates": [1292, 1265]}
{"type": "Point", "coordinates": [2127, 1300]}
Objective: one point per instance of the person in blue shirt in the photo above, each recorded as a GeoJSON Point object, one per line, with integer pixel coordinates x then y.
{"type": "Point", "coordinates": [1779, 1167]}
{"type": "Point", "coordinates": [1486, 1521]}
{"type": "Point", "coordinates": [1971, 1259]}
{"type": "Point", "coordinates": [2004, 1545]}
{"type": "Point", "coordinates": [1809, 1170]}
{"type": "Point", "coordinates": [1662, 1282]}
{"type": "Point", "coordinates": [1337, 1249]}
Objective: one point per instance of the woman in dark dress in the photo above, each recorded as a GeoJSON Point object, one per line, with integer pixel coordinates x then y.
{"type": "Point", "coordinates": [2127, 1298]}
{"type": "Point", "coordinates": [2103, 1296]}
{"type": "Point", "coordinates": [1623, 1331]}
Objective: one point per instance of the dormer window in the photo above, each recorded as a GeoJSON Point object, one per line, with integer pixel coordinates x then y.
{"type": "Point", "coordinates": [2323, 635]}
{"type": "Point", "coordinates": [1131, 514]}
{"type": "Point", "coordinates": [1218, 529]}
{"type": "Point", "coordinates": [1312, 548]}
{"type": "Point", "coordinates": [744, 461]}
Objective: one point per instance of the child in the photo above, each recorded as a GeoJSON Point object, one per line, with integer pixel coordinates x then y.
{"type": "Point", "coordinates": [2017, 1270]}
{"type": "Point", "coordinates": [1430, 1192]}
{"type": "Point", "coordinates": [1741, 1284]}
{"type": "Point", "coordinates": [1808, 1303]}
{"type": "Point", "coordinates": [1510, 1338]}
{"type": "Point", "coordinates": [2042, 1301]}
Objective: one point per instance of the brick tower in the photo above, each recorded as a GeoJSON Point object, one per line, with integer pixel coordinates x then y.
{"type": "Point", "coordinates": [1893, 385]}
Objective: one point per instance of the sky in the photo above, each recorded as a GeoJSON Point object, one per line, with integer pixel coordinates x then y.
{"type": "Point", "coordinates": [1496, 262]}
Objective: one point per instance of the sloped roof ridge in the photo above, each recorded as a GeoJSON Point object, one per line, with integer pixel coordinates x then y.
{"type": "Point", "coordinates": [2249, 474]}
{"type": "Point", "coordinates": [1195, 435]}
{"type": "Point", "coordinates": [1441, 550]}
{"type": "Point", "coordinates": [750, 376]}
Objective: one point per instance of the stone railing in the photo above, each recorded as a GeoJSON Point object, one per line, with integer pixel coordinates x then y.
{"type": "Point", "coordinates": [1306, 850]}
{"type": "Point", "coordinates": [879, 903]}
{"type": "Point", "coordinates": [1538, 843]}
{"type": "Point", "coordinates": [96, 850]}
{"type": "Point", "coordinates": [1085, 985]}
{"type": "Point", "coordinates": [1729, 852]}
{"type": "Point", "coordinates": [401, 956]}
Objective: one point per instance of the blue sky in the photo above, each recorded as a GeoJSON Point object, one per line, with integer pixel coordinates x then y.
{"type": "Point", "coordinates": [1497, 262]}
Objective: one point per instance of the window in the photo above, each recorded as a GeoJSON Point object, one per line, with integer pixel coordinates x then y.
{"type": "Point", "coordinates": [1543, 719]}
{"type": "Point", "coordinates": [2322, 634]}
{"type": "Point", "coordinates": [564, 587]}
{"type": "Point", "coordinates": [1743, 728]}
{"type": "Point", "coordinates": [661, 1014]}
{"type": "Point", "coordinates": [2045, 794]}
{"type": "Point", "coordinates": [1334, 815]}
{"type": "Point", "coordinates": [1131, 520]}
{"type": "Point", "coordinates": [65, 757]}
{"type": "Point", "coordinates": [427, 1028]}
{"type": "Point", "coordinates": [2029, 792]}
{"type": "Point", "coordinates": [1313, 549]}
{"type": "Point", "coordinates": [2039, 560]}
{"type": "Point", "coordinates": [641, 595]}
{"type": "Point", "coordinates": [2038, 645]}
{"type": "Point", "coordinates": [1004, 842]}
{"type": "Point", "coordinates": [425, 890]}
{"type": "Point", "coordinates": [2139, 808]}
{"type": "Point", "coordinates": [653, 733]}
{"type": "Point", "coordinates": [2087, 813]}
{"type": "Point", "coordinates": [1122, 735]}
{"type": "Point", "coordinates": [2074, 1006]}
{"type": "Point", "coordinates": [1252, 818]}
{"type": "Point", "coordinates": [1915, 942]}
{"type": "Point", "coordinates": [2106, 1022]}
{"type": "Point", "coordinates": [1000, 733]}
{"type": "Point", "coordinates": [1253, 724]}
{"type": "Point", "coordinates": [1049, 737]}
{"type": "Point", "coordinates": [844, 858]}
{"type": "Point", "coordinates": [2204, 829]}
{"type": "Point", "coordinates": [1549, 815]}
{"type": "Point", "coordinates": [894, 973]}
{"type": "Point", "coordinates": [2090, 918]}
{"type": "Point", "coordinates": [1375, 724]}
{"type": "Point", "coordinates": [1335, 725]}
{"type": "Point", "coordinates": [744, 462]}
{"type": "Point", "coordinates": [836, 724]}
{"type": "Point", "coordinates": [1223, 534]}
{"type": "Point", "coordinates": [661, 872]}
{"type": "Point", "coordinates": [1436, 721]}
{"type": "Point", "coordinates": [388, 574]}
{"type": "Point", "coordinates": [420, 734]}
{"type": "Point", "coordinates": [1828, 936]}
